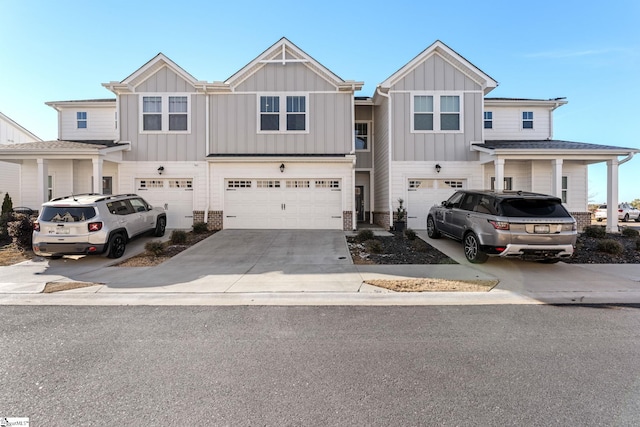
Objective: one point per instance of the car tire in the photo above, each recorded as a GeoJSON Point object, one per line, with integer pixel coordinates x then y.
{"type": "Point", "coordinates": [432, 231]}
{"type": "Point", "coordinates": [599, 219]}
{"type": "Point", "coordinates": [472, 249]}
{"type": "Point", "coordinates": [626, 218]}
{"type": "Point", "coordinates": [638, 218]}
{"type": "Point", "coordinates": [117, 245]}
{"type": "Point", "coordinates": [161, 225]}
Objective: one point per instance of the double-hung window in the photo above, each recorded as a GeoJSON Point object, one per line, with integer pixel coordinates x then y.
{"type": "Point", "coordinates": [488, 120]}
{"type": "Point", "coordinates": [362, 136]}
{"type": "Point", "coordinates": [283, 113]}
{"type": "Point", "coordinates": [164, 113]}
{"type": "Point", "coordinates": [81, 117]}
{"type": "Point", "coordinates": [436, 113]}
{"type": "Point", "coordinates": [527, 120]}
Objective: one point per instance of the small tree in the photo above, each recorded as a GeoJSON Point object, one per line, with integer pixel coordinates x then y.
{"type": "Point", "coordinates": [7, 204]}
{"type": "Point", "coordinates": [401, 212]}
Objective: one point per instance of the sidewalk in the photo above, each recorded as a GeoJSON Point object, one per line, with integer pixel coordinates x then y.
{"type": "Point", "coordinates": [188, 279]}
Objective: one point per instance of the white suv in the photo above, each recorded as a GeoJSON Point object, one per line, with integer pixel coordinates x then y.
{"type": "Point", "coordinates": [85, 224]}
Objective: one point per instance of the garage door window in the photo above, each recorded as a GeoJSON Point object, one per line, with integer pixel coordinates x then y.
{"type": "Point", "coordinates": [150, 183]}
{"type": "Point", "coordinates": [262, 183]}
{"type": "Point", "coordinates": [239, 184]}
{"type": "Point", "coordinates": [328, 184]}
{"type": "Point", "coordinates": [180, 183]}
{"type": "Point", "coordinates": [298, 184]}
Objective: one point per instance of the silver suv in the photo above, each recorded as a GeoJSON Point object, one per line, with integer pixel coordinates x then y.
{"type": "Point", "coordinates": [85, 224]}
{"type": "Point", "coordinates": [518, 224]}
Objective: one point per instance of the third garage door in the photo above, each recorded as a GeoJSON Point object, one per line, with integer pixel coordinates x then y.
{"type": "Point", "coordinates": [283, 204]}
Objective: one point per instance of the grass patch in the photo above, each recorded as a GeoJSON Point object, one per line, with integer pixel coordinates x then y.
{"type": "Point", "coordinates": [52, 287]}
{"type": "Point", "coordinates": [434, 285]}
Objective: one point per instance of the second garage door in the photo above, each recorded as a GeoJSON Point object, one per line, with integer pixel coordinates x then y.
{"type": "Point", "coordinates": [283, 204]}
{"type": "Point", "coordinates": [424, 193]}
{"type": "Point", "coordinates": [174, 195]}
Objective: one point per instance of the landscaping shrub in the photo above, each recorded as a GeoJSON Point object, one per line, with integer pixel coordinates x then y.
{"type": "Point", "coordinates": [411, 234]}
{"type": "Point", "coordinates": [200, 227]}
{"type": "Point", "coordinates": [596, 231]}
{"type": "Point", "coordinates": [156, 248]}
{"type": "Point", "coordinates": [630, 232]}
{"type": "Point", "coordinates": [5, 218]}
{"type": "Point", "coordinates": [178, 237]}
{"type": "Point", "coordinates": [21, 230]}
{"type": "Point", "coordinates": [610, 246]}
{"type": "Point", "coordinates": [7, 204]}
{"type": "Point", "coordinates": [373, 246]}
{"type": "Point", "coordinates": [364, 235]}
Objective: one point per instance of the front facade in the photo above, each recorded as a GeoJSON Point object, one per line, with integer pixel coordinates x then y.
{"type": "Point", "coordinates": [284, 143]}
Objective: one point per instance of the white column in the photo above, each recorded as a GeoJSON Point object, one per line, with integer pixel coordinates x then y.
{"type": "Point", "coordinates": [371, 196]}
{"type": "Point", "coordinates": [612, 195]}
{"type": "Point", "coordinates": [43, 180]}
{"type": "Point", "coordinates": [498, 165]}
{"type": "Point", "coordinates": [556, 177]}
{"type": "Point", "coordinates": [97, 175]}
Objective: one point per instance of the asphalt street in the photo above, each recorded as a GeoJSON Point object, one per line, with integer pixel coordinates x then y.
{"type": "Point", "coordinates": [436, 365]}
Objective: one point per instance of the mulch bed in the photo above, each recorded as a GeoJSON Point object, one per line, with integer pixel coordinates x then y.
{"type": "Point", "coordinates": [587, 251]}
{"type": "Point", "coordinates": [396, 249]}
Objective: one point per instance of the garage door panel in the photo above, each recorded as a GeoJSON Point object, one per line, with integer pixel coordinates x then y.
{"type": "Point", "coordinates": [174, 195]}
{"type": "Point", "coordinates": [423, 194]}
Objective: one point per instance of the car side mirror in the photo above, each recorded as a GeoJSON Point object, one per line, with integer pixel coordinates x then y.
{"type": "Point", "coordinates": [444, 203]}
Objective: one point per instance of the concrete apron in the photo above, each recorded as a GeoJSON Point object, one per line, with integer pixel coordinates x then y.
{"type": "Point", "coordinates": [257, 267]}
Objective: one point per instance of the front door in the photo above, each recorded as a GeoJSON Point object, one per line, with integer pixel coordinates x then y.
{"type": "Point", "coordinates": [359, 203]}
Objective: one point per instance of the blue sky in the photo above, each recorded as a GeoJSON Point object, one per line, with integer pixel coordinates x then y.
{"type": "Point", "coordinates": [588, 52]}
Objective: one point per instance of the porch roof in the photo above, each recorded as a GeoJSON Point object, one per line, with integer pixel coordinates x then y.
{"type": "Point", "coordinates": [550, 144]}
{"type": "Point", "coordinates": [60, 149]}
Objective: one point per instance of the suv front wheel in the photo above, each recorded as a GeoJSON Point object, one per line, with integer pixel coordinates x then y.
{"type": "Point", "coordinates": [432, 231]}
{"type": "Point", "coordinates": [117, 245]}
{"type": "Point", "coordinates": [161, 225]}
{"type": "Point", "coordinates": [472, 249]}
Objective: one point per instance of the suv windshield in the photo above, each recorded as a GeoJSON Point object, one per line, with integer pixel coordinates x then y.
{"type": "Point", "coordinates": [533, 208]}
{"type": "Point", "coordinates": [67, 213]}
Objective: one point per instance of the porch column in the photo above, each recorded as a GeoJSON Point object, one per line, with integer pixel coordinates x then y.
{"type": "Point", "coordinates": [556, 177]}
{"type": "Point", "coordinates": [97, 175]}
{"type": "Point", "coordinates": [43, 181]}
{"type": "Point", "coordinates": [498, 165]}
{"type": "Point", "coordinates": [612, 195]}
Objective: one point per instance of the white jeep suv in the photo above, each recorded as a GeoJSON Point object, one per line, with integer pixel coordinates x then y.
{"type": "Point", "coordinates": [85, 224]}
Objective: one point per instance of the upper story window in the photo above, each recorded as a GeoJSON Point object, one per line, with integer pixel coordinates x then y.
{"type": "Point", "coordinates": [527, 120]}
{"type": "Point", "coordinates": [488, 120]}
{"type": "Point", "coordinates": [293, 117]}
{"type": "Point", "coordinates": [81, 117]}
{"type": "Point", "coordinates": [165, 113]}
{"type": "Point", "coordinates": [362, 135]}
{"type": "Point", "coordinates": [436, 113]}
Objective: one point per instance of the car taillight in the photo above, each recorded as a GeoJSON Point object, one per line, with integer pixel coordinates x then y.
{"type": "Point", "coordinates": [36, 226]}
{"type": "Point", "coordinates": [619, 210]}
{"type": "Point", "coordinates": [499, 225]}
{"type": "Point", "coordinates": [95, 226]}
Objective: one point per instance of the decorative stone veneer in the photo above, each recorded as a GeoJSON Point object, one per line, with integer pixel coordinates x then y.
{"type": "Point", "coordinates": [381, 219]}
{"type": "Point", "coordinates": [583, 219]}
{"type": "Point", "coordinates": [347, 220]}
{"type": "Point", "coordinates": [215, 219]}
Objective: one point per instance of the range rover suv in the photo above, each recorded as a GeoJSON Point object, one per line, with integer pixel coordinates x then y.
{"type": "Point", "coordinates": [520, 224]}
{"type": "Point", "coordinates": [86, 224]}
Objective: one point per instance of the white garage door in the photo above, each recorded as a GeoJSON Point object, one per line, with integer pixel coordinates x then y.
{"type": "Point", "coordinates": [424, 193]}
{"type": "Point", "coordinates": [283, 204]}
{"type": "Point", "coordinates": [174, 195]}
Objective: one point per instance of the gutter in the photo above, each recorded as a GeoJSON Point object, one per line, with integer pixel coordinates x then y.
{"type": "Point", "coordinates": [626, 159]}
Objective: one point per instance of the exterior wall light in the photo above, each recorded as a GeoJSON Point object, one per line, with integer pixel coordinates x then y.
{"type": "Point", "coordinates": [438, 167]}
{"type": "Point", "coordinates": [282, 167]}
{"type": "Point", "coordinates": [160, 170]}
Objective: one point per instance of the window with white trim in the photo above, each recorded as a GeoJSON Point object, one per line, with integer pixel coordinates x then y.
{"type": "Point", "coordinates": [362, 135]}
{"type": "Point", "coordinates": [420, 183]}
{"type": "Point", "coordinates": [508, 183]}
{"type": "Point", "coordinates": [488, 119]}
{"type": "Point", "coordinates": [565, 189]}
{"type": "Point", "coordinates": [328, 184]}
{"type": "Point", "coordinates": [143, 184]}
{"type": "Point", "coordinates": [81, 118]}
{"type": "Point", "coordinates": [262, 183]}
{"type": "Point", "coordinates": [181, 183]}
{"type": "Point", "coordinates": [49, 187]}
{"type": "Point", "coordinates": [298, 184]}
{"type": "Point", "coordinates": [436, 113]}
{"type": "Point", "coordinates": [454, 184]}
{"type": "Point", "coordinates": [238, 184]}
{"type": "Point", "coordinates": [527, 120]}
{"type": "Point", "coordinates": [273, 118]}
{"type": "Point", "coordinates": [166, 113]}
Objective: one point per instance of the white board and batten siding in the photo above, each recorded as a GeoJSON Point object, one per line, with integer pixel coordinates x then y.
{"type": "Point", "coordinates": [180, 190]}
{"type": "Point", "coordinates": [507, 124]}
{"type": "Point", "coordinates": [306, 195]}
{"type": "Point", "coordinates": [421, 187]}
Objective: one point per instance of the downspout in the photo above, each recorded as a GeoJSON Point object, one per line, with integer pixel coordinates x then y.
{"type": "Point", "coordinates": [207, 150]}
{"type": "Point", "coordinates": [379, 92]}
{"type": "Point", "coordinates": [626, 159]}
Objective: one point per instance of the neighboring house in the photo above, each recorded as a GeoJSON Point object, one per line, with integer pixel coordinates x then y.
{"type": "Point", "coordinates": [12, 133]}
{"type": "Point", "coordinates": [284, 143]}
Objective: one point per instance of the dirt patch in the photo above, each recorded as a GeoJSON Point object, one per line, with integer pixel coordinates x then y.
{"type": "Point", "coordinates": [435, 285]}
{"type": "Point", "coordinates": [51, 287]}
{"type": "Point", "coordinates": [10, 254]}
{"type": "Point", "coordinates": [148, 259]}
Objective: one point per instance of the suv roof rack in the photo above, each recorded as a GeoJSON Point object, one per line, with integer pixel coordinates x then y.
{"type": "Point", "coordinates": [73, 196]}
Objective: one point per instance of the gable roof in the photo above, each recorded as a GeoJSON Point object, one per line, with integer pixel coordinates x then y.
{"type": "Point", "coordinates": [152, 66]}
{"type": "Point", "coordinates": [284, 51]}
{"type": "Point", "coordinates": [8, 120]}
{"type": "Point", "coordinates": [451, 56]}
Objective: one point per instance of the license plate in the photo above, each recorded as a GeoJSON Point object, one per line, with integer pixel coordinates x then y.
{"type": "Point", "coordinates": [62, 231]}
{"type": "Point", "coordinates": [542, 229]}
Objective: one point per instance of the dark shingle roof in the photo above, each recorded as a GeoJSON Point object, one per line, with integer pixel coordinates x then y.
{"type": "Point", "coordinates": [551, 144]}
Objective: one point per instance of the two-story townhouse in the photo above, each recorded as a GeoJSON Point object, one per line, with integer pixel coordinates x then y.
{"type": "Point", "coordinates": [284, 143]}
{"type": "Point", "coordinates": [12, 133]}
{"type": "Point", "coordinates": [436, 131]}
